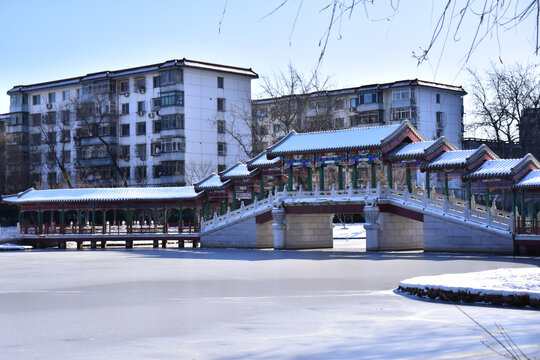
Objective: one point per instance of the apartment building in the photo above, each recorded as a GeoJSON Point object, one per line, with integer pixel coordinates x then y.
{"type": "Point", "coordinates": [435, 109]}
{"type": "Point", "coordinates": [152, 125]}
{"type": "Point", "coordinates": [3, 120]}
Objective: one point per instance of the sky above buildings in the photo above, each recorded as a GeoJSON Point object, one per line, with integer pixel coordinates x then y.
{"type": "Point", "coordinates": [44, 41]}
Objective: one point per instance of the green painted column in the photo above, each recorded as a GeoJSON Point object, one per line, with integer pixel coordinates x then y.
{"type": "Point", "coordinates": [373, 175]}
{"type": "Point", "coordinates": [155, 214]}
{"type": "Point", "coordinates": [427, 184]}
{"type": "Point", "coordinates": [222, 207]}
{"type": "Point", "coordinates": [408, 176]}
{"type": "Point", "coordinates": [355, 175]}
{"type": "Point", "coordinates": [261, 192]}
{"type": "Point", "coordinates": [514, 206]}
{"type": "Point", "coordinates": [446, 189]}
{"type": "Point", "coordinates": [340, 177]}
{"type": "Point", "coordinates": [40, 219]}
{"type": "Point", "coordinates": [234, 195]}
{"type": "Point", "coordinates": [104, 213]}
{"type": "Point", "coordinates": [310, 179]}
{"type": "Point", "coordinates": [389, 174]}
{"type": "Point", "coordinates": [280, 186]}
{"type": "Point", "coordinates": [129, 219]}
{"type": "Point", "coordinates": [522, 210]}
{"type": "Point", "coordinates": [93, 217]}
{"type": "Point", "coordinates": [165, 216]}
{"type": "Point", "coordinates": [290, 180]}
{"type": "Point", "coordinates": [180, 216]}
{"type": "Point", "coordinates": [531, 212]}
{"type": "Point", "coordinates": [62, 218]}
{"type": "Point", "coordinates": [195, 221]}
{"type": "Point", "coordinates": [321, 177]}
{"type": "Point", "coordinates": [21, 214]}
{"type": "Point", "coordinates": [252, 193]}
{"type": "Point", "coordinates": [78, 219]}
{"type": "Point", "coordinates": [469, 194]}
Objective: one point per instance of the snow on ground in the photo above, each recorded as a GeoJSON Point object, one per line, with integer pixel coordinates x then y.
{"type": "Point", "coordinates": [490, 282]}
{"type": "Point", "coordinates": [8, 246]}
{"type": "Point", "coordinates": [349, 231]}
{"type": "Point", "coordinates": [8, 232]}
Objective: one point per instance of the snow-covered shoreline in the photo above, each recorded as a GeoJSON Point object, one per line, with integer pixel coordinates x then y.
{"type": "Point", "coordinates": [515, 287]}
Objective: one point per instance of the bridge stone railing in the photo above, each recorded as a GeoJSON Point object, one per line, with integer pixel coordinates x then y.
{"type": "Point", "coordinates": [417, 200]}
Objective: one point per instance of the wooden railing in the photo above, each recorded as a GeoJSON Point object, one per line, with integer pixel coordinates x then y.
{"type": "Point", "coordinates": [110, 229]}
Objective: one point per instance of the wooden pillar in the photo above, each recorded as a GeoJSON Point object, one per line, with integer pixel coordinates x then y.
{"type": "Point", "coordinates": [129, 219]}
{"type": "Point", "coordinates": [165, 216]}
{"type": "Point", "coordinates": [514, 206]}
{"type": "Point", "coordinates": [20, 214]}
{"type": "Point", "coordinates": [389, 175]}
{"type": "Point", "coordinates": [321, 177]}
{"type": "Point", "coordinates": [155, 216]}
{"type": "Point", "coordinates": [280, 183]}
{"type": "Point", "coordinates": [469, 194]}
{"type": "Point", "coordinates": [340, 177]}
{"type": "Point", "coordinates": [310, 179]}
{"type": "Point", "coordinates": [195, 222]}
{"type": "Point", "coordinates": [93, 216]}
{"type": "Point", "coordinates": [234, 195]}
{"type": "Point", "coordinates": [427, 184]}
{"type": "Point", "coordinates": [355, 175]}
{"type": "Point", "coordinates": [104, 215]}
{"type": "Point", "coordinates": [290, 180]}
{"type": "Point", "coordinates": [522, 211]}
{"type": "Point", "coordinates": [408, 176]}
{"type": "Point", "coordinates": [78, 212]}
{"type": "Point", "coordinates": [180, 217]}
{"type": "Point", "coordinates": [62, 218]}
{"type": "Point", "coordinates": [446, 188]}
{"type": "Point", "coordinates": [40, 219]}
{"type": "Point", "coordinates": [373, 175]}
{"type": "Point", "coordinates": [261, 192]}
{"type": "Point", "coordinates": [222, 207]}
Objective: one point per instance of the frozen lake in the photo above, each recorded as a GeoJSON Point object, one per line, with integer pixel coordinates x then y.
{"type": "Point", "coordinates": [241, 304]}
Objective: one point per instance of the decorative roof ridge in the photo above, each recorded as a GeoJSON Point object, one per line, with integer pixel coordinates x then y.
{"type": "Point", "coordinates": [282, 140]}
{"type": "Point", "coordinates": [438, 143]}
{"type": "Point", "coordinates": [223, 174]}
{"type": "Point", "coordinates": [524, 161]}
{"type": "Point", "coordinates": [348, 129]}
{"type": "Point", "coordinates": [255, 158]}
{"type": "Point", "coordinates": [404, 125]}
{"type": "Point", "coordinates": [477, 154]}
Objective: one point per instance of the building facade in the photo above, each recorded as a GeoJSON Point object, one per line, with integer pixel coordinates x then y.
{"type": "Point", "coordinates": [155, 125]}
{"type": "Point", "coordinates": [435, 109]}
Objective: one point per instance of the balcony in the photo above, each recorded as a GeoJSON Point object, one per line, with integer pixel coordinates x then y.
{"type": "Point", "coordinates": [403, 103]}
{"type": "Point", "coordinates": [95, 162]}
{"type": "Point", "coordinates": [94, 140]}
{"type": "Point", "coordinates": [370, 107]}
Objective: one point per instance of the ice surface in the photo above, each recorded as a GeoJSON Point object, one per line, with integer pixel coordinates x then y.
{"type": "Point", "coordinates": [242, 304]}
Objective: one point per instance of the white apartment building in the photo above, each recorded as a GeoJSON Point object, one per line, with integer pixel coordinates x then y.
{"type": "Point", "coordinates": [435, 109]}
{"type": "Point", "coordinates": [153, 125]}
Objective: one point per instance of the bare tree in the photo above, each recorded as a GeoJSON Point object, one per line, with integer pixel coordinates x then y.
{"type": "Point", "coordinates": [490, 17]}
{"type": "Point", "coordinates": [500, 96]}
{"type": "Point", "coordinates": [97, 118]}
{"type": "Point", "coordinates": [197, 171]}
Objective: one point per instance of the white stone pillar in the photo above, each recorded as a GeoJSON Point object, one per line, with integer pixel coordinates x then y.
{"type": "Point", "coordinates": [371, 214]}
{"type": "Point", "coordinates": [279, 227]}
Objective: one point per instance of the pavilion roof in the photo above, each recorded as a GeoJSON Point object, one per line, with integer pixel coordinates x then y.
{"type": "Point", "coordinates": [459, 159]}
{"type": "Point", "coordinates": [529, 181]}
{"type": "Point", "coordinates": [503, 168]}
{"type": "Point", "coordinates": [339, 140]}
{"type": "Point", "coordinates": [237, 171]}
{"type": "Point", "coordinates": [102, 194]}
{"type": "Point", "coordinates": [211, 182]}
{"type": "Point", "coordinates": [262, 161]}
{"type": "Point", "coordinates": [421, 149]}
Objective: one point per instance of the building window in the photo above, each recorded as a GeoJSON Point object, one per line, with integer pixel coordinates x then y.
{"type": "Point", "coordinates": [171, 98]}
{"type": "Point", "coordinates": [367, 117]}
{"type": "Point", "coordinates": [35, 119]}
{"type": "Point", "coordinates": [35, 139]}
{"type": "Point", "coordinates": [172, 121]}
{"type": "Point", "coordinates": [125, 130]}
{"type": "Point", "coordinates": [438, 98]}
{"type": "Point", "coordinates": [65, 117]}
{"type": "Point", "coordinates": [140, 85]}
{"type": "Point", "coordinates": [35, 158]}
{"type": "Point", "coordinates": [79, 93]}
{"type": "Point", "coordinates": [368, 98]}
{"type": "Point", "coordinates": [65, 95]}
{"type": "Point", "coordinates": [140, 173]}
{"type": "Point", "coordinates": [125, 109]}
{"type": "Point", "coordinates": [65, 136]}
{"type": "Point", "coordinates": [123, 152]}
{"type": "Point", "coordinates": [406, 113]}
{"type": "Point", "coordinates": [141, 128]}
{"type": "Point", "coordinates": [66, 156]}
{"type": "Point", "coordinates": [403, 94]}
{"type": "Point", "coordinates": [221, 104]}
{"type": "Point", "coordinates": [220, 82]}
{"type": "Point", "coordinates": [353, 103]}
{"type": "Point", "coordinates": [221, 126]}
{"type": "Point", "coordinates": [140, 150]}
{"type": "Point", "coordinates": [172, 168]}
{"type": "Point", "coordinates": [173, 76]}
{"type": "Point", "coordinates": [176, 144]}
{"type": "Point", "coordinates": [125, 172]}
{"type": "Point", "coordinates": [340, 104]}
{"type": "Point", "coordinates": [106, 130]}
{"type": "Point", "coordinates": [221, 148]}
{"type": "Point", "coordinates": [124, 86]}
{"type": "Point", "coordinates": [157, 126]}
{"type": "Point", "coordinates": [141, 108]}
{"type": "Point", "coordinates": [51, 178]}
{"type": "Point", "coordinates": [52, 98]}
{"type": "Point", "coordinates": [50, 118]}
{"type": "Point", "coordinates": [36, 100]}
{"type": "Point", "coordinates": [155, 81]}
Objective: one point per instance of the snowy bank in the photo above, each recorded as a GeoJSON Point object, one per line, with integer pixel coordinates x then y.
{"type": "Point", "coordinates": [350, 231]}
{"type": "Point", "coordinates": [8, 246]}
{"type": "Point", "coordinates": [515, 287]}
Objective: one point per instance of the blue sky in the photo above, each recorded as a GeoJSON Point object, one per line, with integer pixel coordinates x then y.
{"type": "Point", "coordinates": [43, 41]}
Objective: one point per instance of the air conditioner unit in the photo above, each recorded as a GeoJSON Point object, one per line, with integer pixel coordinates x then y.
{"type": "Point", "coordinates": [141, 113]}
{"type": "Point", "coordinates": [150, 115]}
{"type": "Point", "coordinates": [49, 106]}
{"type": "Point", "coordinates": [126, 94]}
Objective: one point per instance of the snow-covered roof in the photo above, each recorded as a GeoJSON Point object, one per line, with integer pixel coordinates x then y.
{"type": "Point", "coordinates": [124, 72]}
{"type": "Point", "coordinates": [237, 171]}
{"type": "Point", "coordinates": [460, 158]}
{"type": "Point", "coordinates": [102, 194]}
{"type": "Point", "coordinates": [337, 140]}
{"type": "Point", "coordinates": [531, 180]}
{"type": "Point", "coordinates": [502, 168]}
{"type": "Point", "coordinates": [262, 161]}
{"type": "Point", "coordinates": [412, 150]}
{"type": "Point", "coordinates": [211, 182]}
